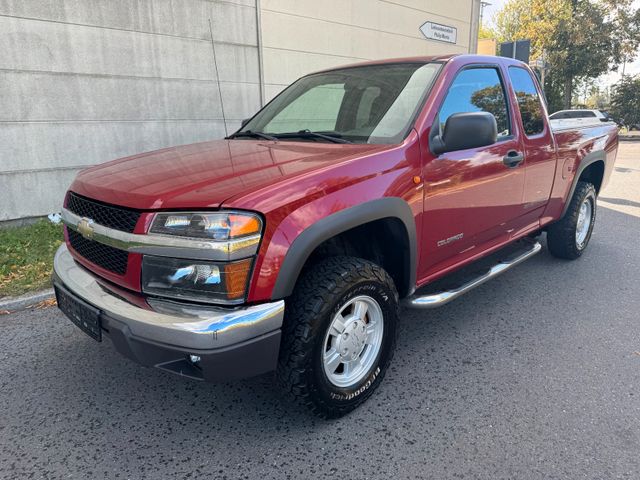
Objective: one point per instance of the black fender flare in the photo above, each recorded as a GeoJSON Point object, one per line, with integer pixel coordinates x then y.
{"type": "Point", "coordinates": [588, 160]}
{"type": "Point", "coordinates": [310, 238]}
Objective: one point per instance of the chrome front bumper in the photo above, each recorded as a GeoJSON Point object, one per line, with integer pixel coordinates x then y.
{"type": "Point", "coordinates": [182, 326]}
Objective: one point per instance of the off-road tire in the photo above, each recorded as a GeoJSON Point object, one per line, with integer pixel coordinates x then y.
{"type": "Point", "coordinates": [320, 293]}
{"type": "Point", "coordinates": [561, 236]}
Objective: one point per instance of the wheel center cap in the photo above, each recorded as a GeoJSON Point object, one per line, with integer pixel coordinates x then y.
{"type": "Point", "coordinates": [352, 340]}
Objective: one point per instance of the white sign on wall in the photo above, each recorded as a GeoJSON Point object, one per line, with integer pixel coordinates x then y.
{"type": "Point", "coordinates": [442, 33]}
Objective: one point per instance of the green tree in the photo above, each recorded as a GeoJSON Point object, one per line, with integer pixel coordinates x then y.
{"type": "Point", "coordinates": [486, 33]}
{"type": "Point", "coordinates": [591, 94]}
{"type": "Point", "coordinates": [553, 89]}
{"type": "Point", "coordinates": [578, 39]}
{"type": "Point", "coordinates": [625, 100]}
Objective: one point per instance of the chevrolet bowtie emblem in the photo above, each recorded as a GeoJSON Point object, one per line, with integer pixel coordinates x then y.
{"type": "Point", "coordinates": [85, 227]}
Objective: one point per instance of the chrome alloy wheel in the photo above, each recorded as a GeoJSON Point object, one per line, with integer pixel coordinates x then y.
{"type": "Point", "coordinates": [353, 341]}
{"type": "Point", "coordinates": [585, 217]}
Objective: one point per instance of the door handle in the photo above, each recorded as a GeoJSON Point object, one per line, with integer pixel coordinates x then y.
{"type": "Point", "coordinates": [513, 158]}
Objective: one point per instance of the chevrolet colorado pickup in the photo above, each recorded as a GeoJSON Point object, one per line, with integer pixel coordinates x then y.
{"type": "Point", "coordinates": [290, 245]}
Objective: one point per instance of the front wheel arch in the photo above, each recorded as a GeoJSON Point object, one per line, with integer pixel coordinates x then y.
{"type": "Point", "coordinates": [338, 223]}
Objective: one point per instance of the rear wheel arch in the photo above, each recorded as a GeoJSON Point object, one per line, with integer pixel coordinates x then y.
{"type": "Point", "coordinates": [591, 169]}
{"type": "Point", "coordinates": [389, 218]}
{"type": "Point", "coordinates": [594, 174]}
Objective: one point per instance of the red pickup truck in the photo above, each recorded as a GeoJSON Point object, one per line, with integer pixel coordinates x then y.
{"type": "Point", "coordinates": [290, 245]}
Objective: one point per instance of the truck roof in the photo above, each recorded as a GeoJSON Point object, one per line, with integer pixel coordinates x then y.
{"type": "Point", "coordinates": [463, 58]}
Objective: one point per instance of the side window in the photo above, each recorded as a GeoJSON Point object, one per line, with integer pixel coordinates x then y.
{"type": "Point", "coordinates": [477, 90]}
{"type": "Point", "coordinates": [528, 101]}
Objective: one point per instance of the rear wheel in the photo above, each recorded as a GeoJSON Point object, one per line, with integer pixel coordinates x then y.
{"type": "Point", "coordinates": [568, 238]}
{"type": "Point", "coordinates": [339, 335]}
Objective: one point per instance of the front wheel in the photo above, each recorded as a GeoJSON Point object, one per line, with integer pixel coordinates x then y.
{"type": "Point", "coordinates": [339, 335]}
{"type": "Point", "coordinates": [568, 238]}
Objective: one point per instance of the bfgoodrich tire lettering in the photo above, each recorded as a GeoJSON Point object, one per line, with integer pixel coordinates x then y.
{"type": "Point", "coordinates": [321, 293]}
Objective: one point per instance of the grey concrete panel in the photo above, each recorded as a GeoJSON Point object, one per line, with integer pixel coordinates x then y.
{"type": "Point", "coordinates": [42, 145]}
{"type": "Point", "coordinates": [237, 63]}
{"type": "Point", "coordinates": [240, 100]}
{"type": "Point", "coordinates": [46, 97]}
{"type": "Point", "coordinates": [31, 194]}
{"type": "Point", "coordinates": [120, 56]}
{"type": "Point", "coordinates": [46, 46]}
{"type": "Point", "coordinates": [36, 146]}
{"type": "Point", "coordinates": [232, 21]}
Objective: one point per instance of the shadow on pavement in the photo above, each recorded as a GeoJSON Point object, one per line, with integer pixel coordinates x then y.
{"type": "Point", "coordinates": [620, 201]}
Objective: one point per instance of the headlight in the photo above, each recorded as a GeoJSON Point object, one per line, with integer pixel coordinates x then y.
{"type": "Point", "coordinates": [237, 233]}
{"type": "Point", "coordinates": [195, 279]}
{"type": "Point", "coordinates": [219, 226]}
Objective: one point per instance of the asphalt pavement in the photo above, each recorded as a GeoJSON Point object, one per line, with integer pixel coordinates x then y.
{"type": "Point", "coordinates": [533, 375]}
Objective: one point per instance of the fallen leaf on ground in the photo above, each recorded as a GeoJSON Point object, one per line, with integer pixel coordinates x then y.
{"type": "Point", "coordinates": [49, 302]}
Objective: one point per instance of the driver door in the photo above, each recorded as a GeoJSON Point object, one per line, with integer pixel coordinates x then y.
{"type": "Point", "coordinates": [472, 197]}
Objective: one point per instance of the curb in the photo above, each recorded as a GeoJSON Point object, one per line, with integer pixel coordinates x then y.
{"type": "Point", "coordinates": [629, 138]}
{"type": "Point", "coordinates": [15, 304]}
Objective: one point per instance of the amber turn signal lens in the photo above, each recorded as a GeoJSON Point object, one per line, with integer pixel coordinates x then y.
{"type": "Point", "coordinates": [243, 225]}
{"type": "Point", "coordinates": [236, 276]}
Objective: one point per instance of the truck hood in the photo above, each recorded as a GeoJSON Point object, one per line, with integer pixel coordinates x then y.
{"type": "Point", "coordinates": [204, 175]}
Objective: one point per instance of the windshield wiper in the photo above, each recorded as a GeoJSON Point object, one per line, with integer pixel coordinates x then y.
{"type": "Point", "coordinates": [309, 134]}
{"type": "Point", "coordinates": [251, 134]}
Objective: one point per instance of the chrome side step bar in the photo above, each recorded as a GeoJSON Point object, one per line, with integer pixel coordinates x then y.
{"type": "Point", "coordinates": [436, 300]}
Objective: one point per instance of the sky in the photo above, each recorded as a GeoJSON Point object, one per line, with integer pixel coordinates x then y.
{"type": "Point", "coordinates": [612, 77]}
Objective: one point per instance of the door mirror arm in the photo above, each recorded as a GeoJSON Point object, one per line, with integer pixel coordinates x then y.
{"type": "Point", "coordinates": [436, 145]}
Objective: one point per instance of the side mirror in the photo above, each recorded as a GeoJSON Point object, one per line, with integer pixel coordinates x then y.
{"type": "Point", "coordinates": [244, 122]}
{"type": "Point", "coordinates": [463, 131]}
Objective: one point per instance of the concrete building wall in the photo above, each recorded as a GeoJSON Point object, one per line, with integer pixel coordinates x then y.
{"type": "Point", "coordinates": [86, 81]}
{"type": "Point", "coordinates": [307, 35]}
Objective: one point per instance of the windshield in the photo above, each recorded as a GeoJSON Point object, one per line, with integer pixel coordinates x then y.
{"type": "Point", "coordinates": [369, 104]}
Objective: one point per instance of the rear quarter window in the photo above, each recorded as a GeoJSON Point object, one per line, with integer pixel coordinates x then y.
{"type": "Point", "coordinates": [529, 102]}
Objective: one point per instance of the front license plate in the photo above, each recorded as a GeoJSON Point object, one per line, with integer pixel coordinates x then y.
{"type": "Point", "coordinates": [86, 317]}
